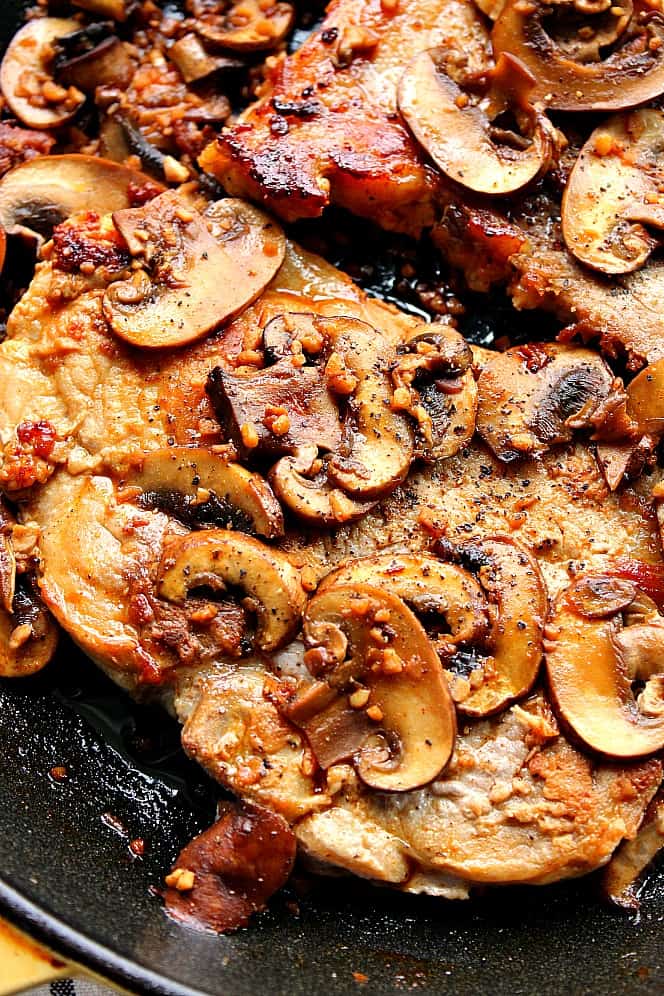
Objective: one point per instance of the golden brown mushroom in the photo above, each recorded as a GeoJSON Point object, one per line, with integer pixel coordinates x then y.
{"type": "Point", "coordinates": [378, 445]}
{"type": "Point", "coordinates": [533, 397]}
{"type": "Point", "coordinates": [368, 648]}
{"type": "Point", "coordinates": [118, 10]}
{"type": "Point", "coordinates": [613, 198]}
{"type": "Point", "coordinates": [195, 62]}
{"type": "Point", "coordinates": [42, 193]}
{"type": "Point", "coordinates": [26, 75]}
{"type": "Point", "coordinates": [28, 634]}
{"type": "Point", "coordinates": [198, 270]}
{"type": "Point", "coordinates": [454, 119]}
{"type": "Point", "coordinates": [585, 57]}
{"type": "Point", "coordinates": [249, 26]}
{"type": "Point", "coordinates": [429, 587]}
{"type": "Point", "coordinates": [434, 383]}
{"type": "Point", "coordinates": [220, 558]}
{"type": "Point", "coordinates": [593, 660]}
{"type": "Point", "coordinates": [214, 490]}
{"type": "Point", "coordinates": [301, 483]}
{"type": "Point", "coordinates": [511, 655]}
{"type": "Point", "coordinates": [645, 398]}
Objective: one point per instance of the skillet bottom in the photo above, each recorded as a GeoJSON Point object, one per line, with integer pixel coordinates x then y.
{"type": "Point", "coordinates": [68, 875]}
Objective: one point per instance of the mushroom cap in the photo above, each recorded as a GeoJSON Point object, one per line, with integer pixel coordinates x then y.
{"type": "Point", "coordinates": [590, 676]}
{"type": "Point", "coordinates": [223, 558]}
{"type": "Point", "coordinates": [530, 395]}
{"type": "Point", "coordinates": [457, 131]}
{"type": "Point", "coordinates": [41, 193]}
{"type": "Point", "coordinates": [512, 581]}
{"type": "Point", "coordinates": [427, 585]}
{"type": "Point", "coordinates": [28, 634]}
{"type": "Point", "coordinates": [645, 398]}
{"type": "Point", "coordinates": [26, 65]}
{"type": "Point", "coordinates": [249, 26]}
{"type": "Point", "coordinates": [614, 192]}
{"type": "Point", "coordinates": [199, 270]}
{"type": "Point", "coordinates": [312, 498]}
{"type": "Point", "coordinates": [631, 74]}
{"type": "Point", "coordinates": [415, 725]}
{"type": "Point", "coordinates": [188, 471]}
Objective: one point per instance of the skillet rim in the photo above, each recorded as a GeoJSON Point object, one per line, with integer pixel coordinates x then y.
{"type": "Point", "coordinates": [72, 945]}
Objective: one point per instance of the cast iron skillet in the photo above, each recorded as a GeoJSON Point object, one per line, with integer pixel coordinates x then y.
{"type": "Point", "coordinates": [67, 873]}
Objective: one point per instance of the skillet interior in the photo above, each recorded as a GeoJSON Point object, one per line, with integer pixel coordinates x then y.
{"type": "Point", "coordinates": [67, 874]}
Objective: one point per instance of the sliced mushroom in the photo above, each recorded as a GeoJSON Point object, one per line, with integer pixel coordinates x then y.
{"type": "Point", "coordinates": [7, 559]}
{"type": "Point", "coordinates": [592, 662]}
{"type": "Point", "coordinates": [216, 490]}
{"type": "Point", "coordinates": [195, 63]}
{"type": "Point", "coordinates": [371, 642]}
{"type": "Point", "coordinates": [378, 445]}
{"type": "Point", "coordinates": [92, 56]}
{"type": "Point", "coordinates": [434, 383]}
{"type": "Point", "coordinates": [513, 584]}
{"type": "Point", "coordinates": [613, 196]}
{"type": "Point", "coordinates": [42, 193]}
{"type": "Point", "coordinates": [533, 397]}
{"type": "Point", "coordinates": [377, 448]}
{"type": "Point", "coordinates": [645, 398]}
{"type": "Point", "coordinates": [633, 857]}
{"type": "Point", "coordinates": [459, 126]}
{"type": "Point", "coordinates": [199, 271]}
{"type": "Point", "coordinates": [429, 587]}
{"type": "Point", "coordinates": [301, 483]}
{"type": "Point", "coordinates": [220, 559]}
{"type": "Point", "coordinates": [248, 405]}
{"type": "Point", "coordinates": [28, 634]}
{"type": "Point", "coordinates": [118, 10]}
{"type": "Point", "coordinates": [625, 461]}
{"type": "Point", "coordinates": [26, 76]}
{"type": "Point", "coordinates": [249, 26]}
{"type": "Point", "coordinates": [597, 57]}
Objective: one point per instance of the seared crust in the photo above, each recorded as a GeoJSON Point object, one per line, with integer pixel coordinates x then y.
{"type": "Point", "coordinates": [327, 130]}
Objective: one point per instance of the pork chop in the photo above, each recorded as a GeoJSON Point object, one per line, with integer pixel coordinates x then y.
{"type": "Point", "coordinates": [326, 130]}
{"type": "Point", "coordinates": [517, 803]}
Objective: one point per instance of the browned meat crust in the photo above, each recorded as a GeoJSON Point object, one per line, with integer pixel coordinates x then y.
{"type": "Point", "coordinates": [326, 129]}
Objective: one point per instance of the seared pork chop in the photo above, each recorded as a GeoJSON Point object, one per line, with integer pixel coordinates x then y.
{"type": "Point", "coordinates": [518, 802]}
{"type": "Point", "coordinates": [326, 130]}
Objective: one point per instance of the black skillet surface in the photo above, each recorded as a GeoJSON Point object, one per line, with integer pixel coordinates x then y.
{"type": "Point", "coordinates": [68, 873]}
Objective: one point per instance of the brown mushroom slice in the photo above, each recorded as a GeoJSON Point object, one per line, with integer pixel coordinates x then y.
{"type": "Point", "coordinates": [28, 634]}
{"type": "Point", "coordinates": [378, 445]}
{"type": "Point", "coordinates": [308, 494]}
{"type": "Point", "coordinates": [529, 396]}
{"type": "Point", "coordinates": [117, 10]}
{"type": "Point", "coordinates": [249, 26]}
{"type": "Point", "coordinates": [208, 479]}
{"type": "Point", "coordinates": [645, 398]}
{"type": "Point", "coordinates": [625, 461]}
{"type": "Point", "coordinates": [457, 128]}
{"type": "Point", "coordinates": [428, 586]}
{"type": "Point", "coordinates": [592, 664]}
{"type": "Point", "coordinates": [221, 558]}
{"type": "Point", "coordinates": [613, 196]}
{"type": "Point", "coordinates": [633, 857]}
{"type": "Point", "coordinates": [7, 558]}
{"type": "Point", "coordinates": [246, 405]}
{"type": "Point", "coordinates": [511, 578]}
{"type": "Point", "coordinates": [564, 46]}
{"type": "Point", "coordinates": [92, 56]}
{"type": "Point", "coordinates": [408, 703]}
{"type": "Point", "coordinates": [26, 76]}
{"type": "Point", "coordinates": [195, 62]}
{"type": "Point", "coordinates": [437, 388]}
{"type": "Point", "coordinates": [199, 270]}
{"type": "Point", "coordinates": [42, 193]}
